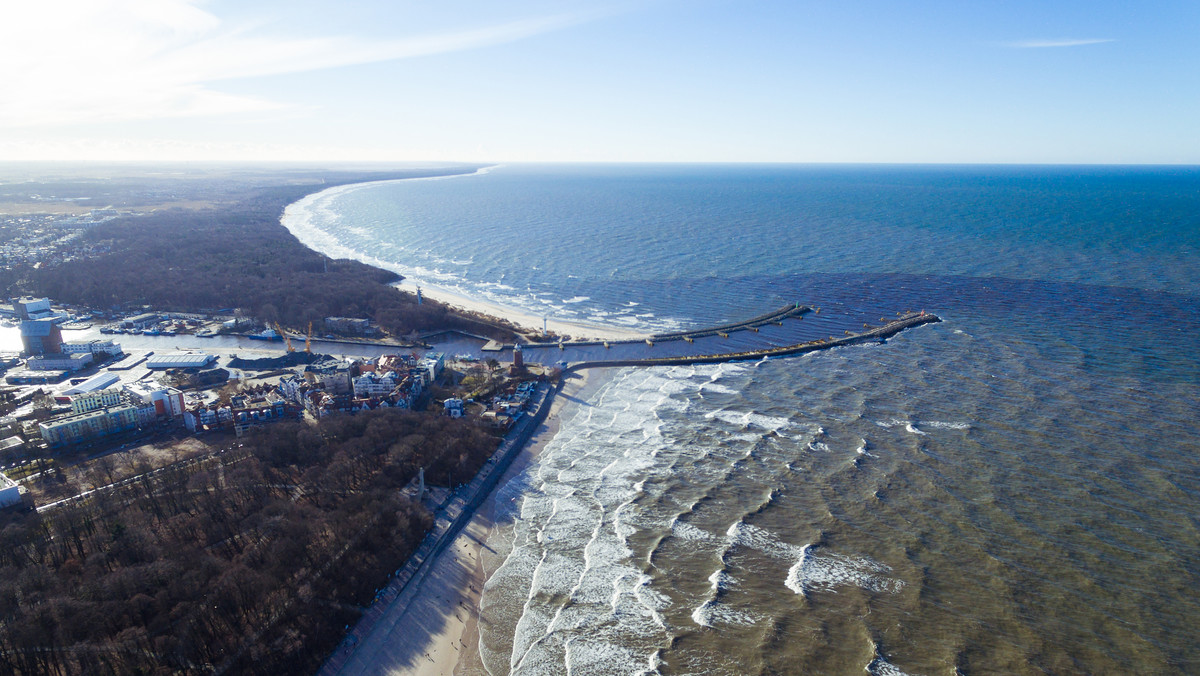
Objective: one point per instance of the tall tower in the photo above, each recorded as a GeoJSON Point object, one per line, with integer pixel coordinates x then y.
{"type": "Point", "coordinates": [518, 357]}
{"type": "Point", "coordinates": [418, 295]}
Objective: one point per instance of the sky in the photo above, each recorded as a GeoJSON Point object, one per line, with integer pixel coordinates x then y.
{"type": "Point", "coordinates": [601, 81]}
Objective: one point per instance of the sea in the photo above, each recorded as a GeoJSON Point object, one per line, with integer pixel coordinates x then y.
{"type": "Point", "coordinates": [1014, 490]}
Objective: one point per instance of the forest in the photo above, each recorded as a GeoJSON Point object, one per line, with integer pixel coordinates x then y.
{"type": "Point", "coordinates": [237, 255]}
{"type": "Point", "coordinates": [250, 561]}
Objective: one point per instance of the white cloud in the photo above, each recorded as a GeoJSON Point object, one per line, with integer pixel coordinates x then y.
{"type": "Point", "coordinates": [1061, 42]}
{"type": "Point", "coordinates": [68, 62]}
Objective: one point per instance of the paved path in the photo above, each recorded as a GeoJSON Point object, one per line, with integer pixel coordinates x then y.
{"type": "Point", "coordinates": [365, 650]}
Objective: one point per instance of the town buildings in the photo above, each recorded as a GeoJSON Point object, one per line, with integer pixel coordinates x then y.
{"type": "Point", "coordinates": [59, 362]}
{"type": "Point", "coordinates": [90, 401]}
{"type": "Point", "coordinates": [97, 348]}
{"type": "Point", "coordinates": [79, 427]}
{"type": "Point", "coordinates": [100, 412]}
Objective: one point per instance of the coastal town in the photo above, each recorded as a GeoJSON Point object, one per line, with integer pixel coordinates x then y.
{"type": "Point", "coordinates": [74, 401]}
{"type": "Point", "coordinates": [195, 401]}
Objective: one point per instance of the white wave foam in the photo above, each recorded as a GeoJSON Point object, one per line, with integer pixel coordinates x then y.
{"type": "Point", "coordinates": [862, 450]}
{"type": "Point", "coordinates": [746, 535]}
{"type": "Point", "coordinates": [817, 570]}
{"type": "Point", "coordinates": [747, 419]}
{"type": "Point", "coordinates": [881, 667]}
{"type": "Point", "coordinates": [937, 424]}
{"type": "Point", "coordinates": [720, 389]}
{"type": "Point", "coordinates": [577, 299]}
{"type": "Point", "coordinates": [712, 613]}
{"type": "Point", "coordinates": [687, 531]}
{"type": "Point", "coordinates": [793, 580]}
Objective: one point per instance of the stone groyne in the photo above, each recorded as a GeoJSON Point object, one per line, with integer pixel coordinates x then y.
{"type": "Point", "coordinates": [773, 317]}
{"type": "Point", "coordinates": [876, 334]}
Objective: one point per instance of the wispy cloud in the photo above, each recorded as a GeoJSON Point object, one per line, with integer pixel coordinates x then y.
{"type": "Point", "coordinates": [85, 61]}
{"type": "Point", "coordinates": [1060, 42]}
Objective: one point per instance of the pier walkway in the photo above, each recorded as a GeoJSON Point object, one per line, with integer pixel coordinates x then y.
{"type": "Point", "coordinates": [752, 324]}
{"type": "Point", "coordinates": [875, 334]}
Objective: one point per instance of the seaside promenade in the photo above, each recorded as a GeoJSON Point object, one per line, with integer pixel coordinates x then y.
{"type": "Point", "coordinates": [366, 649]}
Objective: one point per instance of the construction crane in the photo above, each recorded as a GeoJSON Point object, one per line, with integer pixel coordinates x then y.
{"type": "Point", "coordinates": [308, 339]}
{"type": "Point", "coordinates": [286, 341]}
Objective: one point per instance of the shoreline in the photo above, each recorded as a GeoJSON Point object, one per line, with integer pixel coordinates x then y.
{"type": "Point", "coordinates": [317, 240]}
{"type": "Point", "coordinates": [468, 659]}
{"type": "Point", "coordinates": [433, 625]}
{"type": "Point", "coordinates": [523, 319]}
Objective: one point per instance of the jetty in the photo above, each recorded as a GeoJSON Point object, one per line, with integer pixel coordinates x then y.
{"type": "Point", "coordinates": [877, 334]}
{"type": "Point", "coordinates": [723, 330]}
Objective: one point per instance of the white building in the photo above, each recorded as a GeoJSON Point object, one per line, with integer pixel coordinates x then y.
{"type": "Point", "coordinates": [58, 362]}
{"type": "Point", "coordinates": [10, 493]}
{"type": "Point", "coordinates": [93, 347]}
{"type": "Point", "coordinates": [291, 386]}
{"type": "Point", "coordinates": [32, 308]}
{"type": "Point", "coordinates": [375, 384]}
{"type": "Point", "coordinates": [90, 401]}
{"type": "Point", "coordinates": [432, 363]}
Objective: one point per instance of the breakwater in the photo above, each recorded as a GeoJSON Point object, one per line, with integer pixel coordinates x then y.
{"type": "Point", "coordinates": [878, 333]}
{"type": "Point", "coordinates": [773, 317]}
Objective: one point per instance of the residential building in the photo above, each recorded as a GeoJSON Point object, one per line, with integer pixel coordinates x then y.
{"type": "Point", "coordinates": [334, 379]}
{"type": "Point", "coordinates": [166, 401]}
{"type": "Point", "coordinates": [90, 401]}
{"type": "Point", "coordinates": [432, 363]}
{"type": "Point", "coordinates": [80, 427]}
{"type": "Point", "coordinates": [375, 384]}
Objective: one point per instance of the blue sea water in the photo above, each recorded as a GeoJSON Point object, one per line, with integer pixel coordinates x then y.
{"type": "Point", "coordinates": [1014, 490]}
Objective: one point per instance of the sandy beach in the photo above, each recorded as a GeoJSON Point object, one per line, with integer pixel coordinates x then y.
{"type": "Point", "coordinates": [526, 320]}
{"type": "Point", "coordinates": [437, 632]}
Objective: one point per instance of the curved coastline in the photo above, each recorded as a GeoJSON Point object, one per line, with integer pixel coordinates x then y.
{"type": "Point", "coordinates": [296, 218]}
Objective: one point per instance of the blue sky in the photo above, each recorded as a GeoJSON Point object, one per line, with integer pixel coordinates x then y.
{"type": "Point", "coordinates": [625, 81]}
